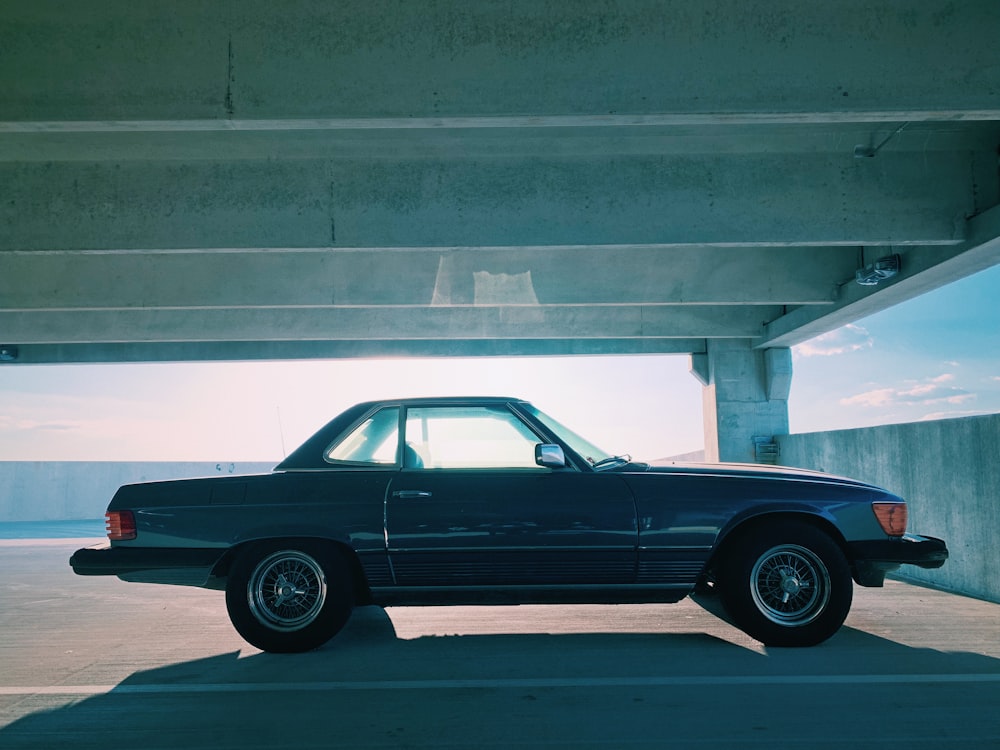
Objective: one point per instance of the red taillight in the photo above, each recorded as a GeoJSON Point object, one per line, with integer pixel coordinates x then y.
{"type": "Point", "coordinates": [120, 525]}
{"type": "Point", "coordinates": [891, 517]}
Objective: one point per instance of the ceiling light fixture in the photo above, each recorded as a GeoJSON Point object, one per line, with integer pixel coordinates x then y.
{"type": "Point", "coordinates": [877, 272]}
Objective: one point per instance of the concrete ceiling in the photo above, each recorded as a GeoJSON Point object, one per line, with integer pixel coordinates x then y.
{"type": "Point", "coordinates": [242, 180]}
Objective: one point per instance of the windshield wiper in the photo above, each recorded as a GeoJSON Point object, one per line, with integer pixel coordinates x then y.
{"type": "Point", "coordinates": [612, 461]}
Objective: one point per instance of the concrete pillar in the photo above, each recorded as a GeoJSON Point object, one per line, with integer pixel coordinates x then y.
{"type": "Point", "coordinates": [745, 399]}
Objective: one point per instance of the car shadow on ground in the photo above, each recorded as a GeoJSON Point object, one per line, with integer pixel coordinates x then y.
{"type": "Point", "coordinates": [369, 687]}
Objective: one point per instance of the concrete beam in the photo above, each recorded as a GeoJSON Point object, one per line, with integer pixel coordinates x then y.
{"type": "Point", "coordinates": [485, 137]}
{"type": "Point", "coordinates": [384, 322]}
{"type": "Point", "coordinates": [776, 199]}
{"type": "Point", "coordinates": [330, 277]}
{"type": "Point", "coordinates": [119, 60]}
{"type": "Point", "coordinates": [290, 350]}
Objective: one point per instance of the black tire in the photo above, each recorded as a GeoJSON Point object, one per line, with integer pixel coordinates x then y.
{"type": "Point", "coordinates": [788, 584]}
{"type": "Point", "coordinates": [289, 597]}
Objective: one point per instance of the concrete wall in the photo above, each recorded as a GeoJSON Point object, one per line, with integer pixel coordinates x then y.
{"type": "Point", "coordinates": [75, 490]}
{"type": "Point", "coordinates": [949, 473]}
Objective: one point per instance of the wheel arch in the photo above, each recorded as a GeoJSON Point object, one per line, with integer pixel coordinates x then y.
{"type": "Point", "coordinates": [742, 527]}
{"type": "Point", "coordinates": [362, 590]}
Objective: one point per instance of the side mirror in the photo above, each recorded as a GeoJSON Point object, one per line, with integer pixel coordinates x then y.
{"type": "Point", "coordinates": [550, 455]}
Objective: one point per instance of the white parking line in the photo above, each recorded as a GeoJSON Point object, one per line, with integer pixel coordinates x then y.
{"type": "Point", "coordinates": [579, 682]}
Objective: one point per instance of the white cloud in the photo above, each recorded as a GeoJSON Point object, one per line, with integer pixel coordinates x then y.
{"type": "Point", "coordinates": [850, 338]}
{"type": "Point", "coordinates": [11, 423]}
{"type": "Point", "coordinates": [949, 415]}
{"type": "Point", "coordinates": [879, 397]}
{"type": "Point", "coordinates": [932, 391]}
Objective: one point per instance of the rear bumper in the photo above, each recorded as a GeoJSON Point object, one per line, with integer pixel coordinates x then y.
{"type": "Point", "coordinates": [190, 567]}
{"type": "Point", "coordinates": [874, 558]}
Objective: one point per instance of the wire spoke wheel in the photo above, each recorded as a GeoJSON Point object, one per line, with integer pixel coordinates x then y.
{"type": "Point", "coordinates": [287, 590]}
{"type": "Point", "coordinates": [790, 585]}
{"type": "Point", "coordinates": [291, 596]}
{"type": "Point", "coordinates": [785, 583]}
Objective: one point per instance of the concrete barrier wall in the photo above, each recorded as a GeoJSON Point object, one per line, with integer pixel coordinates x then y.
{"type": "Point", "coordinates": [77, 490]}
{"type": "Point", "coordinates": [949, 473]}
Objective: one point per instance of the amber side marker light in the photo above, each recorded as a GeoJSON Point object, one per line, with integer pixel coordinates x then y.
{"type": "Point", "coordinates": [891, 517]}
{"type": "Point", "coordinates": [120, 525]}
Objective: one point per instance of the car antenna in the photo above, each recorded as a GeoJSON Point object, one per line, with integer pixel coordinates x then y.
{"type": "Point", "coordinates": [281, 433]}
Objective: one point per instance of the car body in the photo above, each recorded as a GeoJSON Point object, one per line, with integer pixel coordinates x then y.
{"type": "Point", "coordinates": [489, 500]}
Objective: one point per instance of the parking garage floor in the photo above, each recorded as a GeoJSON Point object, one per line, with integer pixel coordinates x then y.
{"type": "Point", "coordinates": [96, 662]}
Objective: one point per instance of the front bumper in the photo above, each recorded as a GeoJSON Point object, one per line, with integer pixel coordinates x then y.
{"type": "Point", "coordinates": [872, 559]}
{"type": "Point", "coordinates": [191, 567]}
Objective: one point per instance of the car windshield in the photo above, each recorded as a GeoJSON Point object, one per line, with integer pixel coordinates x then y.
{"type": "Point", "coordinates": [599, 459]}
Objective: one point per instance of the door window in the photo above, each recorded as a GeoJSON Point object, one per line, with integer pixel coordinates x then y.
{"type": "Point", "coordinates": [469, 437]}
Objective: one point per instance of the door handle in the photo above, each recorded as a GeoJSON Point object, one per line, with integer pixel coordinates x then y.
{"type": "Point", "coordinates": [410, 494]}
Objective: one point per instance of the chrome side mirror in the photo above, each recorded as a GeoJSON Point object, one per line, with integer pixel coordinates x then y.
{"type": "Point", "coordinates": [550, 455]}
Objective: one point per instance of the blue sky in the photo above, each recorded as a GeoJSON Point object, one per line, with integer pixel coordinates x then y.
{"type": "Point", "coordinates": [934, 357]}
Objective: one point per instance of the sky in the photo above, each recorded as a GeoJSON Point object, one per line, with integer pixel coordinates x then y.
{"type": "Point", "coordinates": [934, 357]}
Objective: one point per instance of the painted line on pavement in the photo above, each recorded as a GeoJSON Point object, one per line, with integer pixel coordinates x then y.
{"type": "Point", "coordinates": [555, 682]}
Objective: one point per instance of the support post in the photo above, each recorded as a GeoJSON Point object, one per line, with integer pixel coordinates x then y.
{"type": "Point", "coordinates": [745, 399]}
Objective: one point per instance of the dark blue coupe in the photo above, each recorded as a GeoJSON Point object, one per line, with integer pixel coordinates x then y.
{"type": "Point", "coordinates": [489, 500]}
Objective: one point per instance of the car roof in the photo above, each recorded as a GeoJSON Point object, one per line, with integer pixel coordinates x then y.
{"type": "Point", "coordinates": [446, 400]}
{"type": "Point", "coordinates": [438, 401]}
{"type": "Point", "coordinates": [307, 455]}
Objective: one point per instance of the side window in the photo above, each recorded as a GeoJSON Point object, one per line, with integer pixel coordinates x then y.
{"type": "Point", "coordinates": [374, 441]}
{"type": "Point", "coordinates": [468, 437]}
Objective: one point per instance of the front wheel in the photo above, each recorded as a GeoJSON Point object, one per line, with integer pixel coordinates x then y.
{"type": "Point", "coordinates": [288, 598]}
{"type": "Point", "coordinates": [786, 585]}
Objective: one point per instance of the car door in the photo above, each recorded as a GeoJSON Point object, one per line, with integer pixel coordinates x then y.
{"type": "Point", "coordinates": [471, 507]}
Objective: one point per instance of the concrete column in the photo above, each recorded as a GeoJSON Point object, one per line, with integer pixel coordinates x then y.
{"type": "Point", "coordinates": [745, 399]}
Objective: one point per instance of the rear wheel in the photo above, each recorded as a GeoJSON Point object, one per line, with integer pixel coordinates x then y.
{"type": "Point", "coordinates": [288, 598]}
{"type": "Point", "coordinates": [786, 585]}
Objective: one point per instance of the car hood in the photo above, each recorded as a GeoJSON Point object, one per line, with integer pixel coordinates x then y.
{"type": "Point", "coordinates": [762, 471]}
